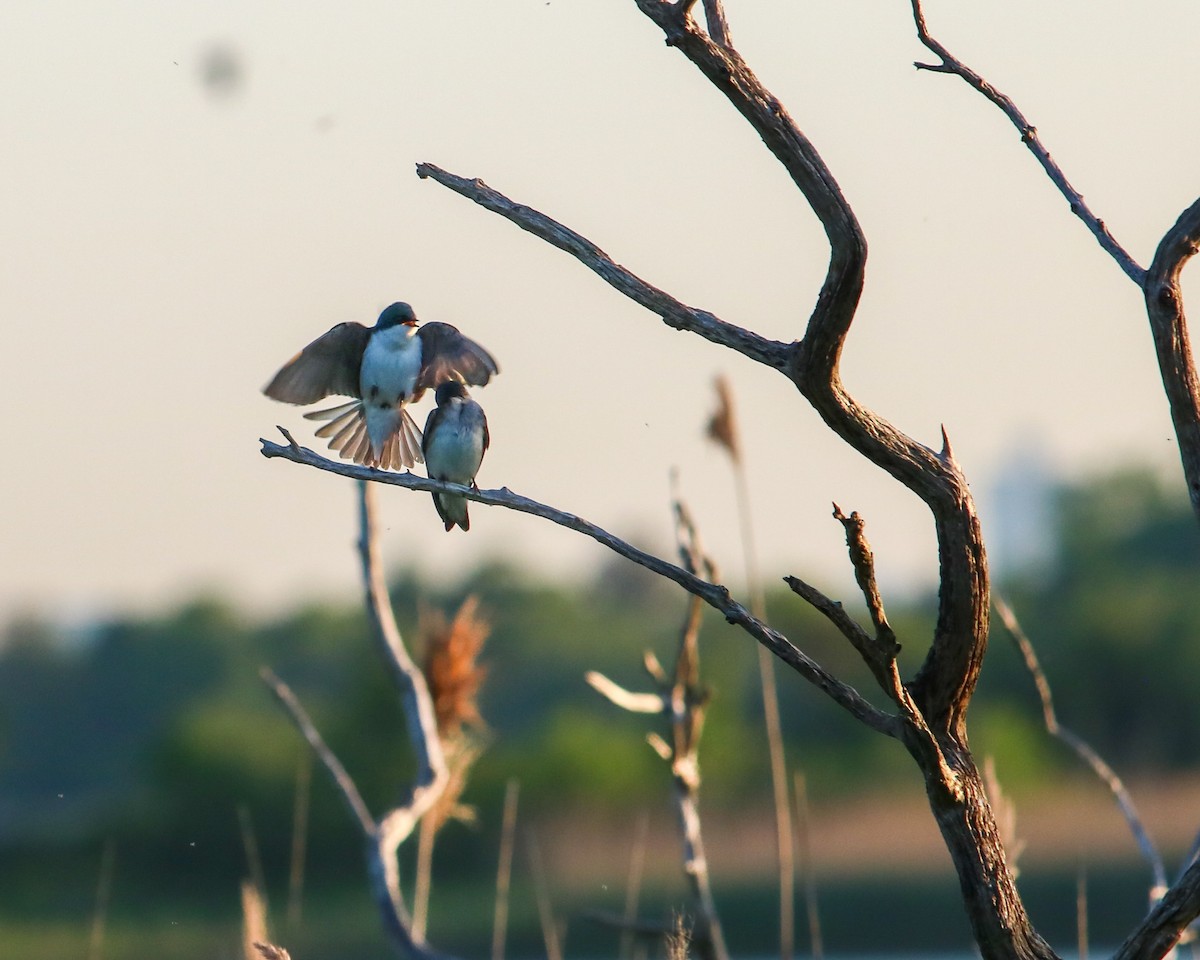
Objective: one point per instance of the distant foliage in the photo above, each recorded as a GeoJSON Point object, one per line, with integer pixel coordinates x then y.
{"type": "Point", "coordinates": [157, 726]}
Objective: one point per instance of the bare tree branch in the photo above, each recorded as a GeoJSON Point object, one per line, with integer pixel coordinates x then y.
{"type": "Point", "coordinates": [385, 835]}
{"type": "Point", "coordinates": [714, 595]}
{"type": "Point", "coordinates": [674, 314]}
{"type": "Point", "coordinates": [1082, 748]}
{"type": "Point", "coordinates": [718, 26]}
{"type": "Point", "coordinates": [946, 680]}
{"type": "Point", "coordinates": [419, 715]}
{"type": "Point", "coordinates": [933, 704]}
{"type": "Point", "coordinates": [1029, 136]}
{"type": "Point", "coordinates": [1165, 924]}
{"type": "Point", "coordinates": [863, 561]}
{"type": "Point", "coordinates": [337, 773]}
{"type": "Point", "coordinates": [682, 701]}
{"type": "Point", "coordinates": [1159, 284]}
{"type": "Point", "coordinates": [617, 695]}
{"type": "Point", "coordinates": [1168, 325]}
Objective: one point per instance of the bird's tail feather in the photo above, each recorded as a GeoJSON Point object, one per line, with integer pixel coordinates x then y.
{"type": "Point", "coordinates": [409, 437]}
{"type": "Point", "coordinates": [347, 430]}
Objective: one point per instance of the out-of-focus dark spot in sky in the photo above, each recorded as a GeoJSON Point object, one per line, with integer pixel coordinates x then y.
{"type": "Point", "coordinates": [222, 70]}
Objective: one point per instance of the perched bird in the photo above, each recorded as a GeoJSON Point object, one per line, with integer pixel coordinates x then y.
{"type": "Point", "coordinates": [386, 367]}
{"type": "Point", "coordinates": [456, 436]}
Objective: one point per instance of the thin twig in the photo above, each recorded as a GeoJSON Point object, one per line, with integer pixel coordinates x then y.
{"type": "Point", "coordinates": [299, 838]}
{"type": "Point", "coordinates": [723, 428]}
{"type": "Point", "coordinates": [421, 721]}
{"type": "Point", "coordinates": [682, 700]}
{"type": "Point", "coordinates": [550, 934]}
{"type": "Point", "coordinates": [807, 866]}
{"type": "Point", "coordinates": [863, 560]}
{"type": "Point", "coordinates": [508, 832]}
{"type": "Point", "coordinates": [626, 699]}
{"type": "Point", "coordinates": [633, 885]}
{"type": "Point", "coordinates": [333, 766]}
{"type": "Point", "coordinates": [1029, 136]}
{"type": "Point", "coordinates": [1082, 749]}
{"type": "Point", "coordinates": [1159, 283]}
{"type": "Point", "coordinates": [104, 885]}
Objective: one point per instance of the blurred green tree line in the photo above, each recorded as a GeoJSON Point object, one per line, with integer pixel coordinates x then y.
{"type": "Point", "coordinates": [156, 730]}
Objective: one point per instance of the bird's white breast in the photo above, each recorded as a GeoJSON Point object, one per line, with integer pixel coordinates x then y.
{"type": "Point", "coordinates": [390, 365]}
{"type": "Point", "coordinates": [455, 449]}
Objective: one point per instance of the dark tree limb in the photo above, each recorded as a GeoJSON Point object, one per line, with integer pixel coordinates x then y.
{"type": "Point", "coordinates": [1168, 325]}
{"type": "Point", "coordinates": [863, 561]}
{"type": "Point", "coordinates": [716, 596]}
{"type": "Point", "coordinates": [945, 682]}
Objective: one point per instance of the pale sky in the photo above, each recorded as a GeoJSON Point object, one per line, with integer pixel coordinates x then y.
{"type": "Point", "coordinates": [167, 246]}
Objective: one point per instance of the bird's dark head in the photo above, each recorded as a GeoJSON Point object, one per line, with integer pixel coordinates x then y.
{"type": "Point", "coordinates": [448, 390]}
{"type": "Point", "coordinates": [395, 315]}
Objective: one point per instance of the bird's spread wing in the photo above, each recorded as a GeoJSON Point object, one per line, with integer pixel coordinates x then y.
{"type": "Point", "coordinates": [329, 364]}
{"type": "Point", "coordinates": [446, 354]}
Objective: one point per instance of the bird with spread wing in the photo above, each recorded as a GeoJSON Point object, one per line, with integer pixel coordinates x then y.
{"type": "Point", "coordinates": [385, 368]}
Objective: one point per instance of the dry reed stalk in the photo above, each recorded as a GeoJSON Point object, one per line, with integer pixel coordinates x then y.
{"type": "Point", "coordinates": [807, 868]}
{"type": "Point", "coordinates": [633, 888]}
{"type": "Point", "coordinates": [677, 940]}
{"type": "Point", "coordinates": [299, 838]}
{"type": "Point", "coordinates": [508, 832]}
{"type": "Point", "coordinates": [1081, 912]}
{"type": "Point", "coordinates": [723, 430]}
{"type": "Point", "coordinates": [1006, 815]}
{"type": "Point", "coordinates": [253, 858]}
{"type": "Point", "coordinates": [103, 894]}
{"type": "Point", "coordinates": [551, 934]}
{"type": "Point", "coordinates": [454, 677]}
{"type": "Point", "coordinates": [254, 921]}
